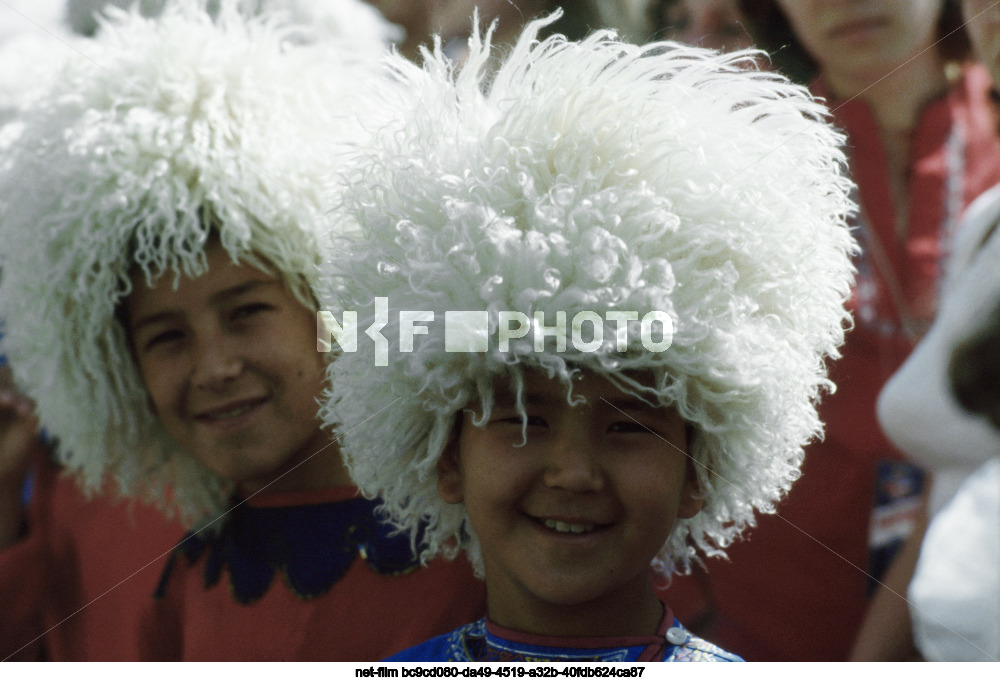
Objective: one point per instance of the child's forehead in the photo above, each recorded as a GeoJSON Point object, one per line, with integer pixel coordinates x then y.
{"type": "Point", "coordinates": [221, 279]}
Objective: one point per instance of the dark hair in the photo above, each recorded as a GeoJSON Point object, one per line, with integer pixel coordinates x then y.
{"type": "Point", "coordinates": [771, 31]}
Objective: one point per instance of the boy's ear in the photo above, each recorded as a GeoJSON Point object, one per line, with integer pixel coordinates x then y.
{"type": "Point", "coordinates": [691, 499]}
{"type": "Point", "coordinates": [691, 494]}
{"type": "Point", "coordinates": [449, 483]}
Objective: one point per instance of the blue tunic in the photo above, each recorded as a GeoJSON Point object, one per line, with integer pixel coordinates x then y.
{"type": "Point", "coordinates": [484, 641]}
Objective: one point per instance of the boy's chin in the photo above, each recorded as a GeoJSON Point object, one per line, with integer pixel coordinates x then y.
{"type": "Point", "coordinates": [583, 592]}
{"type": "Point", "coordinates": [247, 467]}
{"type": "Point", "coordinates": [579, 608]}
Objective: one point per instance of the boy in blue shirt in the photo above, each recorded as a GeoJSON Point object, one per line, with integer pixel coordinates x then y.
{"type": "Point", "coordinates": [165, 210]}
{"type": "Point", "coordinates": [600, 286]}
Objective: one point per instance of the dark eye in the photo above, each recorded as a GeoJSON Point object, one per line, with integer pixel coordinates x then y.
{"type": "Point", "coordinates": [250, 309]}
{"type": "Point", "coordinates": [626, 427]}
{"type": "Point", "coordinates": [163, 338]}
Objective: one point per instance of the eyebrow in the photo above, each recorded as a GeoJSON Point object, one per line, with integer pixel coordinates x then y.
{"type": "Point", "coordinates": [240, 289]}
{"type": "Point", "coordinates": [217, 298]}
{"type": "Point", "coordinates": [623, 402]}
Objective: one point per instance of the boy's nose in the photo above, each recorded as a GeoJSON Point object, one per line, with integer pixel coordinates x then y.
{"type": "Point", "coordinates": [571, 464]}
{"type": "Point", "coordinates": [217, 361]}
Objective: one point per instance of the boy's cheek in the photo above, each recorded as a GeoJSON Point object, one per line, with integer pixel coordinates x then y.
{"type": "Point", "coordinates": [449, 482]}
{"type": "Point", "coordinates": [152, 406]}
{"type": "Point", "coordinates": [158, 387]}
{"type": "Point", "coordinates": [449, 492]}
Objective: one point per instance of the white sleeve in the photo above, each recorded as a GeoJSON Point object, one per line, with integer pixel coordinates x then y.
{"type": "Point", "coordinates": [917, 409]}
{"type": "Point", "coordinates": [955, 592]}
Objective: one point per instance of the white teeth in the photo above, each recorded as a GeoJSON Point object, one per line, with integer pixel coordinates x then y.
{"type": "Point", "coordinates": [234, 412]}
{"type": "Point", "coordinates": [559, 526]}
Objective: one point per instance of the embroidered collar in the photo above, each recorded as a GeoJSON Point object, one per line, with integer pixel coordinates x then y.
{"type": "Point", "coordinates": [313, 545]}
{"type": "Point", "coordinates": [485, 641]}
{"type": "Point", "coordinates": [493, 641]}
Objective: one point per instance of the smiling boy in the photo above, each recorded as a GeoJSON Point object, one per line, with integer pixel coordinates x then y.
{"type": "Point", "coordinates": [571, 503]}
{"type": "Point", "coordinates": [166, 209]}
{"type": "Point", "coordinates": [592, 182]}
{"type": "Point", "coordinates": [229, 362]}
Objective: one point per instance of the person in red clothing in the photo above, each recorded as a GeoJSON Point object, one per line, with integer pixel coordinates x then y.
{"type": "Point", "coordinates": [166, 209]}
{"type": "Point", "coordinates": [922, 145]}
{"type": "Point", "coordinates": [932, 409]}
{"type": "Point", "coordinates": [75, 586]}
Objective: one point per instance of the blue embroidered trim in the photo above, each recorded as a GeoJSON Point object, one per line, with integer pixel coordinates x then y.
{"type": "Point", "coordinates": [313, 545]}
{"type": "Point", "coordinates": [474, 643]}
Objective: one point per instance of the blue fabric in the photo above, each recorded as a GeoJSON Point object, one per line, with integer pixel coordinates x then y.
{"type": "Point", "coordinates": [475, 643]}
{"type": "Point", "coordinates": [28, 488]}
{"type": "Point", "coordinates": [314, 545]}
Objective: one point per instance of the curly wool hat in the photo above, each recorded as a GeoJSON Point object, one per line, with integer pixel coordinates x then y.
{"type": "Point", "coordinates": [596, 176]}
{"type": "Point", "coordinates": [353, 22]}
{"type": "Point", "coordinates": [171, 130]}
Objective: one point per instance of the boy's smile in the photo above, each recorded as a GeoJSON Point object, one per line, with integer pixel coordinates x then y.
{"type": "Point", "coordinates": [570, 521]}
{"type": "Point", "coordinates": [230, 364]}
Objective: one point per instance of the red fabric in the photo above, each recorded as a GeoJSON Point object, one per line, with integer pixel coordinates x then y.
{"type": "Point", "coordinates": [363, 617]}
{"type": "Point", "coordinates": [75, 587]}
{"type": "Point", "coordinates": [79, 586]}
{"type": "Point", "coordinates": [23, 571]}
{"type": "Point", "coordinates": [797, 589]}
{"type": "Point", "coordinates": [654, 643]}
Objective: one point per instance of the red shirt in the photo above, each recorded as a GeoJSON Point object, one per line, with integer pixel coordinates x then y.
{"type": "Point", "coordinates": [75, 586]}
{"type": "Point", "coordinates": [80, 585]}
{"type": "Point", "coordinates": [367, 614]}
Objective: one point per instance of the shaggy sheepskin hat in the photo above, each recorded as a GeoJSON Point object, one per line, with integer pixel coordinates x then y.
{"type": "Point", "coordinates": [172, 130]}
{"type": "Point", "coordinates": [350, 21]}
{"type": "Point", "coordinates": [595, 176]}
{"type": "Point", "coordinates": [32, 43]}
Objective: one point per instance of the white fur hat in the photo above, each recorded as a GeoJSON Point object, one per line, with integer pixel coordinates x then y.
{"type": "Point", "coordinates": [168, 129]}
{"type": "Point", "coordinates": [353, 22]}
{"type": "Point", "coordinates": [597, 176]}
{"type": "Point", "coordinates": [33, 42]}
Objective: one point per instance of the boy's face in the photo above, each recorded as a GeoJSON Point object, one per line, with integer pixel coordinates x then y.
{"type": "Point", "coordinates": [576, 515]}
{"type": "Point", "coordinates": [230, 364]}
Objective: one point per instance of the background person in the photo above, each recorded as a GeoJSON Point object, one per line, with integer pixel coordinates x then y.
{"type": "Point", "coordinates": [950, 610]}
{"type": "Point", "coordinates": [922, 145]}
